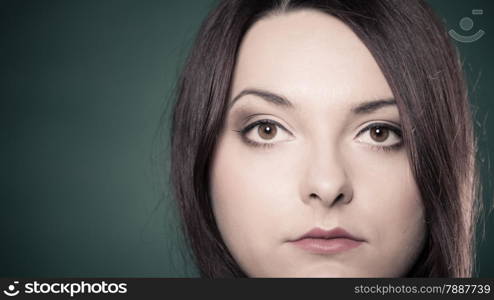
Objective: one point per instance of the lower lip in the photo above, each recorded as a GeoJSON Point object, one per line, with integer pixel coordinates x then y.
{"type": "Point", "coordinates": [327, 246]}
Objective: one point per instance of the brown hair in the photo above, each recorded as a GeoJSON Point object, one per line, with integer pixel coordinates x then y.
{"type": "Point", "coordinates": [422, 67]}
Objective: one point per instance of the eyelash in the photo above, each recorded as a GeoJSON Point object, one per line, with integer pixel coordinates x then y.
{"type": "Point", "coordinates": [243, 132]}
{"type": "Point", "coordinates": [394, 129]}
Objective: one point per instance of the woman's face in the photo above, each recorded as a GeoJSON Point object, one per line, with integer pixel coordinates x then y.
{"type": "Point", "coordinates": [312, 145]}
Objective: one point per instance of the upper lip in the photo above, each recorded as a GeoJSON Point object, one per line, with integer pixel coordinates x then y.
{"type": "Point", "coordinates": [319, 233]}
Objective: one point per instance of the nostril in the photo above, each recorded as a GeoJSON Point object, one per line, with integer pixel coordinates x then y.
{"type": "Point", "coordinates": [340, 197]}
{"type": "Point", "coordinates": [328, 200]}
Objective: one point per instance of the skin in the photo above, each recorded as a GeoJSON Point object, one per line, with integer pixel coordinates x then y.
{"type": "Point", "coordinates": [316, 171]}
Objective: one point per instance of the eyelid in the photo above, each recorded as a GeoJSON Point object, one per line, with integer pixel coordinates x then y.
{"type": "Point", "coordinates": [253, 141]}
{"type": "Point", "coordinates": [395, 128]}
{"type": "Point", "coordinates": [268, 118]}
{"type": "Point", "coordinates": [253, 124]}
{"type": "Point", "coordinates": [247, 120]}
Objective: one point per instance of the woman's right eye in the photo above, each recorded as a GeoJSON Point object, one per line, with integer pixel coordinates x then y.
{"type": "Point", "coordinates": [265, 133]}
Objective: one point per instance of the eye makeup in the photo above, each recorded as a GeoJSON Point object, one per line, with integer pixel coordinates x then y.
{"type": "Point", "coordinates": [256, 124]}
{"type": "Point", "coordinates": [271, 123]}
{"type": "Point", "coordinates": [387, 127]}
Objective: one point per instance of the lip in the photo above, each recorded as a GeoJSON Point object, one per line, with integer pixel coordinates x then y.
{"type": "Point", "coordinates": [332, 241]}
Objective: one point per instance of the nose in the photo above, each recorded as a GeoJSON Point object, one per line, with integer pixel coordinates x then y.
{"type": "Point", "coordinates": [326, 178]}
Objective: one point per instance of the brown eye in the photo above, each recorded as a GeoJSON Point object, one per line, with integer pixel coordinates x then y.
{"type": "Point", "coordinates": [379, 134]}
{"type": "Point", "coordinates": [267, 131]}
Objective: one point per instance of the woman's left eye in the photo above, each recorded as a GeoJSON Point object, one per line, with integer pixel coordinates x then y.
{"type": "Point", "coordinates": [381, 135]}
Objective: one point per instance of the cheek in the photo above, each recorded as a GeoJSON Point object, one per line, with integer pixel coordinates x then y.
{"type": "Point", "coordinates": [393, 211]}
{"type": "Point", "coordinates": [254, 199]}
{"type": "Point", "coordinates": [242, 181]}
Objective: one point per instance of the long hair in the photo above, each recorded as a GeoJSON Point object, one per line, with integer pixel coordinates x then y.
{"type": "Point", "coordinates": [422, 68]}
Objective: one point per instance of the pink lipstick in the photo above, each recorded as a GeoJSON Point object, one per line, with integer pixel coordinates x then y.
{"type": "Point", "coordinates": [322, 241]}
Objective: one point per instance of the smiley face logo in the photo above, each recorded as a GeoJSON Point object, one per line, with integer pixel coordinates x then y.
{"type": "Point", "coordinates": [11, 290]}
{"type": "Point", "coordinates": [466, 24]}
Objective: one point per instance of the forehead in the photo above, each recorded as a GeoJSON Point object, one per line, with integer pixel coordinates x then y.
{"type": "Point", "coordinates": [309, 57]}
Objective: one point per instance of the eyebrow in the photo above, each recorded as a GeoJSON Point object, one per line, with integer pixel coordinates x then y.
{"type": "Point", "coordinates": [371, 106]}
{"type": "Point", "coordinates": [266, 95]}
{"type": "Point", "coordinates": [367, 107]}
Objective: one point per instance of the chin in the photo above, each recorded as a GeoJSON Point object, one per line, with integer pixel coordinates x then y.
{"type": "Point", "coordinates": [326, 272]}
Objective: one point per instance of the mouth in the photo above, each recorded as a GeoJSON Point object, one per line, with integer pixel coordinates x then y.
{"type": "Point", "coordinates": [320, 241]}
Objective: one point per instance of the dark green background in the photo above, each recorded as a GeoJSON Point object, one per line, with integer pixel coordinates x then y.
{"type": "Point", "coordinates": [83, 85]}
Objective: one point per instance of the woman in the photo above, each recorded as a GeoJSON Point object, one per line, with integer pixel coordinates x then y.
{"type": "Point", "coordinates": [325, 139]}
